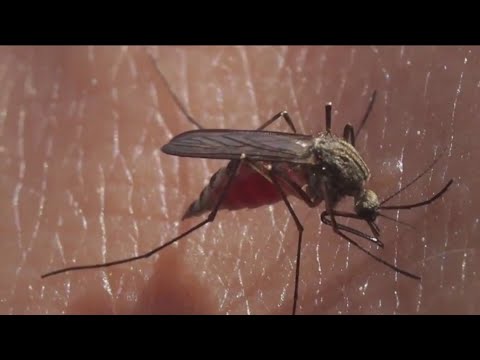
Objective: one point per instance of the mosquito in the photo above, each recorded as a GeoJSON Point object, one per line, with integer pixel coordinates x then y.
{"type": "Point", "coordinates": [274, 165]}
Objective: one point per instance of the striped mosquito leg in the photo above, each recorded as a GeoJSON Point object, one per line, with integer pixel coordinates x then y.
{"type": "Point", "coordinates": [232, 171]}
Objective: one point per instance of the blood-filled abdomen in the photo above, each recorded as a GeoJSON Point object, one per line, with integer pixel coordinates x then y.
{"type": "Point", "coordinates": [249, 189]}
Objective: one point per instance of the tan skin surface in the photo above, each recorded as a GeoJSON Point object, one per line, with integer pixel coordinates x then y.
{"type": "Point", "coordinates": [83, 180]}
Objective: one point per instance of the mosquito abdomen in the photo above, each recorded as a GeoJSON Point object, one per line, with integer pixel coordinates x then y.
{"type": "Point", "coordinates": [249, 189]}
{"type": "Point", "coordinates": [209, 195]}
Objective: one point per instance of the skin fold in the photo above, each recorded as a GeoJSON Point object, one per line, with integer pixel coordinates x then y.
{"type": "Point", "coordinates": [84, 181]}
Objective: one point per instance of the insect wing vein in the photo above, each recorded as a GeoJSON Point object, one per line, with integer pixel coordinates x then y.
{"type": "Point", "coordinates": [232, 144]}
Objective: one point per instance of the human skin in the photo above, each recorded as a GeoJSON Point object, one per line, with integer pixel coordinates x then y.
{"type": "Point", "coordinates": [84, 181]}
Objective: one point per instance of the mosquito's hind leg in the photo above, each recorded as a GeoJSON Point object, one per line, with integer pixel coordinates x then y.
{"type": "Point", "coordinates": [284, 115]}
{"type": "Point", "coordinates": [349, 134]}
{"type": "Point", "coordinates": [182, 108]}
{"type": "Point", "coordinates": [281, 114]}
{"type": "Point", "coordinates": [232, 170]}
{"type": "Point", "coordinates": [328, 117]}
{"type": "Point", "coordinates": [367, 113]}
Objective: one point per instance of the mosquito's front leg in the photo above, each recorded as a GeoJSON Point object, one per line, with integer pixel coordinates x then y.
{"type": "Point", "coordinates": [376, 232]}
{"type": "Point", "coordinates": [391, 266]}
{"type": "Point", "coordinates": [338, 227]}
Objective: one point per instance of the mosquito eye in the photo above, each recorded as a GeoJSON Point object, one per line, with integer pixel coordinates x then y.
{"type": "Point", "coordinates": [366, 205]}
{"type": "Point", "coordinates": [366, 213]}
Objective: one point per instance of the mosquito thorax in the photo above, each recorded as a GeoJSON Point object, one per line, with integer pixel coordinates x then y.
{"type": "Point", "coordinates": [340, 165]}
{"type": "Point", "coordinates": [366, 205]}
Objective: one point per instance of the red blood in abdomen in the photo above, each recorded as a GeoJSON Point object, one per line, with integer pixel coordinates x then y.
{"type": "Point", "coordinates": [250, 190]}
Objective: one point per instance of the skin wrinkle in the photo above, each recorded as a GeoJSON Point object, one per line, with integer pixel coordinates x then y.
{"type": "Point", "coordinates": [177, 280]}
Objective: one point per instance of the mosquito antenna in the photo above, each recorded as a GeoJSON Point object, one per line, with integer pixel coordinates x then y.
{"type": "Point", "coordinates": [411, 182]}
{"type": "Point", "coordinates": [367, 113]}
{"type": "Point", "coordinates": [172, 93]}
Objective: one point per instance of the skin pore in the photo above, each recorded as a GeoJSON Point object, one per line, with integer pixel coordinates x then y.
{"type": "Point", "coordinates": [84, 181]}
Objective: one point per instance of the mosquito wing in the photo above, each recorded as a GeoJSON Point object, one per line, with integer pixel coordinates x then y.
{"type": "Point", "coordinates": [232, 144]}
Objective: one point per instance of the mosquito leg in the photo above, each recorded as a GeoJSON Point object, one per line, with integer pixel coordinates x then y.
{"type": "Point", "coordinates": [337, 230]}
{"type": "Point", "coordinates": [313, 203]}
{"type": "Point", "coordinates": [172, 93]}
{"type": "Point", "coordinates": [300, 233]}
{"type": "Point", "coordinates": [367, 113]}
{"type": "Point", "coordinates": [351, 230]}
{"type": "Point", "coordinates": [300, 192]}
{"type": "Point", "coordinates": [281, 114]}
{"type": "Point", "coordinates": [288, 120]}
{"type": "Point", "coordinates": [349, 134]}
{"type": "Point", "coordinates": [261, 170]}
{"type": "Point", "coordinates": [391, 266]}
{"type": "Point", "coordinates": [328, 117]}
{"type": "Point", "coordinates": [232, 172]}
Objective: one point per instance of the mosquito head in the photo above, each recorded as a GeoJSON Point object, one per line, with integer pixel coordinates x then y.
{"type": "Point", "coordinates": [366, 205]}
